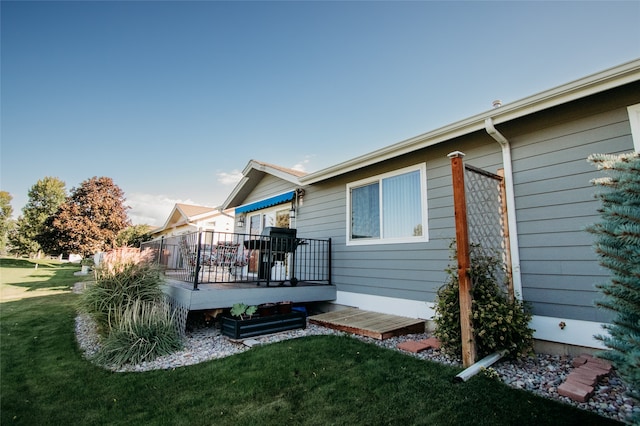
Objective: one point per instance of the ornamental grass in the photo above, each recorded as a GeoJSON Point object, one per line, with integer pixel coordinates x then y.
{"type": "Point", "coordinates": [128, 306]}
{"type": "Point", "coordinates": [144, 331]}
{"type": "Point", "coordinates": [122, 278]}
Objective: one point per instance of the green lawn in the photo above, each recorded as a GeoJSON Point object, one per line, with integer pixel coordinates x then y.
{"type": "Point", "coordinates": [313, 381]}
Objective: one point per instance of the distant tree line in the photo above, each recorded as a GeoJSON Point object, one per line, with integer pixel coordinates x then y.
{"type": "Point", "coordinates": [91, 218]}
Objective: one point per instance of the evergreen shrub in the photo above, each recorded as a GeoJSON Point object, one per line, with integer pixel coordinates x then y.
{"type": "Point", "coordinates": [618, 246]}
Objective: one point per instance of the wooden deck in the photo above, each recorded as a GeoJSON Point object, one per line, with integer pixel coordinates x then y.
{"type": "Point", "coordinates": [371, 324]}
{"type": "Point", "coordinates": [215, 296]}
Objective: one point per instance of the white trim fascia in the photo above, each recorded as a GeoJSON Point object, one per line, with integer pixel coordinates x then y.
{"type": "Point", "coordinates": [405, 147]}
{"type": "Point", "coordinates": [178, 208]}
{"type": "Point", "coordinates": [575, 332]}
{"type": "Point", "coordinates": [592, 84]}
{"type": "Point", "coordinates": [166, 222]}
{"type": "Point", "coordinates": [634, 121]}
{"type": "Point", "coordinates": [234, 192]}
{"type": "Point", "coordinates": [256, 165]}
{"type": "Point", "coordinates": [386, 305]}
{"type": "Point", "coordinates": [265, 168]}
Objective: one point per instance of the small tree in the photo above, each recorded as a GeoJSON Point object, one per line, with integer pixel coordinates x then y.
{"type": "Point", "coordinates": [45, 196]}
{"type": "Point", "coordinates": [6, 222]}
{"type": "Point", "coordinates": [22, 239]}
{"type": "Point", "coordinates": [618, 246]}
{"type": "Point", "coordinates": [91, 218]}
{"type": "Point", "coordinates": [133, 236]}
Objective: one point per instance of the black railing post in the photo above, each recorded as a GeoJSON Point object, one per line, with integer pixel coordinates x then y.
{"type": "Point", "coordinates": [269, 261]}
{"type": "Point", "coordinates": [160, 250]}
{"type": "Point", "coordinates": [329, 261]}
{"type": "Point", "coordinates": [292, 276]}
{"type": "Point", "coordinates": [197, 271]}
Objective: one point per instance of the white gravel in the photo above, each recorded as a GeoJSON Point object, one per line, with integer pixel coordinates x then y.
{"type": "Point", "coordinates": [541, 374]}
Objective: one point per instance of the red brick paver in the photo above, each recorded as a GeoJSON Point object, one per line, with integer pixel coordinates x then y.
{"type": "Point", "coordinates": [585, 379]}
{"type": "Point", "coordinates": [413, 346]}
{"type": "Point", "coordinates": [578, 361]}
{"type": "Point", "coordinates": [595, 370]}
{"type": "Point", "coordinates": [599, 361]}
{"type": "Point", "coordinates": [576, 391]}
{"type": "Point", "coordinates": [580, 383]}
{"type": "Point", "coordinates": [433, 342]}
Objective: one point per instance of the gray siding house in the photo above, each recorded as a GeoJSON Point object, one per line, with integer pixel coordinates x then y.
{"type": "Point", "coordinates": [396, 266]}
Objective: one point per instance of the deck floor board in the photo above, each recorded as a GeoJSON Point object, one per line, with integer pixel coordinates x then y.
{"type": "Point", "coordinates": [371, 324]}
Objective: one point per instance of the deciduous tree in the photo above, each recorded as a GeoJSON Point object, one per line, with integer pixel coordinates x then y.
{"type": "Point", "coordinates": [5, 219]}
{"type": "Point", "coordinates": [133, 236]}
{"type": "Point", "coordinates": [32, 233]}
{"type": "Point", "coordinates": [21, 239]}
{"type": "Point", "coordinates": [91, 218]}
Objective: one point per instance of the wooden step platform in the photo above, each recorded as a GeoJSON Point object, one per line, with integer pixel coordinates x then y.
{"type": "Point", "coordinates": [371, 324]}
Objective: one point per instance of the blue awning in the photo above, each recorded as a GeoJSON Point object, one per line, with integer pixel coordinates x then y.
{"type": "Point", "coordinates": [278, 199]}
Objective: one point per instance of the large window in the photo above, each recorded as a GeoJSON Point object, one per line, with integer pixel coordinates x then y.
{"type": "Point", "coordinates": [388, 208]}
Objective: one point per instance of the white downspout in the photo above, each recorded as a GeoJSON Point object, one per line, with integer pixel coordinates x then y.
{"type": "Point", "coordinates": [474, 369]}
{"type": "Point", "coordinates": [511, 204]}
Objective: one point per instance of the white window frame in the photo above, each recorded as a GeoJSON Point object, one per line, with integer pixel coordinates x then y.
{"type": "Point", "coordinates": [268, 213]}
{"type": "Point", "coordinates": [422, 168]}
{"type": "Point", "coordinates": [634, 121]}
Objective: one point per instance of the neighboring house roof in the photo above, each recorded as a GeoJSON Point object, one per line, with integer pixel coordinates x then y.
{"type": "Point", "coordinates": [613, 77]}
{"type": "Point", "coordinates": [183, 214]}
{"type": "Point", "coordinates": [253, 174]}
{"type": "Point", "coordinates": [191, 211]}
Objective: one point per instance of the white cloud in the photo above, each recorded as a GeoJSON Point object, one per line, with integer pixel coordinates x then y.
{"type": "Point", "coordinates": [301, 166]}
{"type": "Point", "coordinates": [229, 178]}
{"type": "Point", "coordinates": [151, 209]}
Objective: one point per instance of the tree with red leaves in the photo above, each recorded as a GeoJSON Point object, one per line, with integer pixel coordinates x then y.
{"type": "Point", "coordinates": [91, 218]}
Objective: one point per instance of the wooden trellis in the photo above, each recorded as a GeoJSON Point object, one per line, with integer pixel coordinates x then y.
{"type": "Point", "coordinates": [481, 218]}
{"type": "Point", "coordinates": [487, 220]}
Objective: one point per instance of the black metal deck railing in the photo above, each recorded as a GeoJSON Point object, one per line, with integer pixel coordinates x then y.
{"type": "Point", "coordinates": [222, 257]}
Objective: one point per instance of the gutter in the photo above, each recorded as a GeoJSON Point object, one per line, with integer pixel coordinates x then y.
{"type": "Point", "coordinates": [511, 204]}
{"type": "Point", "coordinates": [596, 83]}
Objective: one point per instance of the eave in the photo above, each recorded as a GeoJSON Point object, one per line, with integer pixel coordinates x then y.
{"type": "Point", "coordinates": [613, 77]}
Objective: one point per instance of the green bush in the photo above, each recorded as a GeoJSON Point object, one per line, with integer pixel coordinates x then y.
{"type": "Point", "coordinates": [497, 322]}
{"type": "Point", "coordinates": [144, 331]}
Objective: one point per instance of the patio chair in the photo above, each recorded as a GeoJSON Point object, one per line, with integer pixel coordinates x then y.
{"type": "Point", "coordinates": [225, 255]}
{"type": "Point", "coordinates": [188, 255]}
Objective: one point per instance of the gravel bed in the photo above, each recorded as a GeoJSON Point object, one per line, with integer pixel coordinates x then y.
{"type": "Point", "coordinates": [541, 374]}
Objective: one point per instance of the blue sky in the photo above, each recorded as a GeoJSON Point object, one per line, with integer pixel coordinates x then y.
{"type": "Point", "coordinates": [172, 99]}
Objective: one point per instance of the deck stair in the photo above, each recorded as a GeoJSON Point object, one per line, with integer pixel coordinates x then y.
{"type": "Point", "coordinates": [371, 324]}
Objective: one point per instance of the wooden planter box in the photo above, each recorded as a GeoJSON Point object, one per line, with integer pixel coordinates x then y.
{"type": "Point", "coordinates": [241, 329]}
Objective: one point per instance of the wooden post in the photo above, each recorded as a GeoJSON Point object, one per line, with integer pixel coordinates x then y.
{"type": "Point", "coordinates": [462, 246]}
{"type": "Point", "coordinates": [507, 241]}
